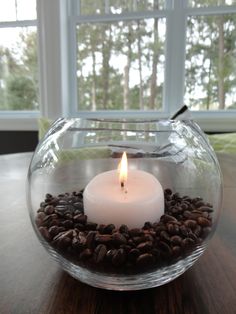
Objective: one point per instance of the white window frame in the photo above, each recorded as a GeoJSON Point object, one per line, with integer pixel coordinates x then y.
{"type": "Point", "coordinates": [57, 20]}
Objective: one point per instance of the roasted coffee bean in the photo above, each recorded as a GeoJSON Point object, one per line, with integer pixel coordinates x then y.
{"type": "Point", "coordinates": [63, 242]}
{"type": "Point", "coordinates": [145, 247]}
{"type": "Point", "coordinates": [183, 230]}
{"type": "Point", "coordinates": [187, 214]}
{"type": "Point", "coordinates": [206, 231]}
{"type": "Point", "coordinates": [100, 228]}
{"type": "Point", "coordinates": [203, 222]}
{"type": "Point", "coordinates": [197, 231]}
{"type": "Point", "coordinates": [135, 232]}
{"type": "Point", "coordinates": [176, 239]}
{"type": "Point", "coordinates": [133, 255]}
{"type": "Point", "coordinates": [80, 218]}
{"type": "Point", "coordinates": [147, 225]}
{"type": "Point", "coordinates": [110, 254]}
{"type": "Point", "coordinates": [44, 232]}
{"type": "Point", "coordinates": [176, 250]}
{"type": "Point", "coordinates": [108, 229]}
{"type": "Point", "coordinates": [165, 248]}
{"type": "Point", "coordinates": [68, 224]}
{"type": "Point", "coordinates": [82, 238]}
{"type": "Point", "coordinates": [85, 254]}
{"type": "Point", "coordinates": [187, 242]}
{"type": "Point", "coordinates": [190, 223]}
{"type": "Point", "coordinates": [119, 257]}
{"type": "Point", "coordinates": [91, 226]}
{"type": "Point", "coordinates": [103, 238]}
{"type": "Point", "coordinates": [90, 239]}
{"type": "Point", "coordinates": [100, 253]}
{"type": "Point", "coordinates": [118, 238]}
{"type": "Point", "coordinates": [193, 236]}
{"type": "Point", "coordinates": [145, 260]}
{"type": "Point", "coordinates": [199, 204]}
{"type": "Point", "coordinates": [79, 206]}
{"type": "Point", "coordinates": [159, 229]}
{"type": "Point", "coordinates": [49, 209]}
{"type": "Point", "coordinates": [173, 229]}
{"type": "Point", "coordinates": [54, 230]}
{"type": "Point", "coordinates": [167, 218]}
{"type": "Point", "coordinates": [167, 192]}
{"type": "Point", "coordinates": [206, 209]}
{"type": "Point", "coordinates": [165, 236]}
{"type": "Point", "coordinates": [124, 229]}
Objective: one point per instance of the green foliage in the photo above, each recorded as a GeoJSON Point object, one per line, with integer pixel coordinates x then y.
{"type": "Point", "coordinates": [19, 75]}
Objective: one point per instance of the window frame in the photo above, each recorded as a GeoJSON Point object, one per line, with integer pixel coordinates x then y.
{"type": "Point", "coordinates": [56, 22]}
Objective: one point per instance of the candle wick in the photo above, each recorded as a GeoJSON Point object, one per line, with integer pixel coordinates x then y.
{"type": "Point", "coordinates": [122, 184]}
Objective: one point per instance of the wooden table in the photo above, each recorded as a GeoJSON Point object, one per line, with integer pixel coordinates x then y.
{"type": "Point", "coordinates": [31, 282]}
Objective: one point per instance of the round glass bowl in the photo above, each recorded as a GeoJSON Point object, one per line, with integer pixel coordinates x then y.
{"type": "Point", "coordinates": [126, 251]}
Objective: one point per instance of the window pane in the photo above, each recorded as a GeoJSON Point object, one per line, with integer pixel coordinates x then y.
{"type": "Point", "coordinates": [15, 10]}
{"type": "Point", "coordinates": [121, 65]}
{"type": "Point", "coordinates": [210, 62]}
{"type": "Point", "coordinates": [118, 6]}
{"type": "Point", "coordinates": [18, 69]}
{"type": "Point", "coordinates": [204, 3]}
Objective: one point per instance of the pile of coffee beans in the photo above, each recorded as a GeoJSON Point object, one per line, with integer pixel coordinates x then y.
{"type": "Point", "coordinates": [63, 224]}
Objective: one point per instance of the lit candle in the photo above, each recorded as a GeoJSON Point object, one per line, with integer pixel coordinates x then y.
{"type": "Point", "coordinates": [137, 198]}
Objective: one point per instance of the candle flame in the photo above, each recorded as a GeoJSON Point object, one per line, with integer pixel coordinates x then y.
{"type": "Point", "coordinates": [123, 169]}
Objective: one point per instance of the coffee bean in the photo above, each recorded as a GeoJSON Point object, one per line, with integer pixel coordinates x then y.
{"type": "Point", "coordinates": [135, 232]}
{"type": "Point", "coordinates": [147, 225]}
{"type": "Point", "coordinates": [167, 191]}
{"type": "Point", "coordinates": [183, 230]}
{"type": "Point", "coordinates": [124, 229]}
{"type": "Point", "coordinates": [118, 238]}
{"type": "Point", "coordinates": [91, 226]}
{"type": "Point", "coordinates": [119, 257]}
{"type": "Point", "coordinates": [206, 231]}
{"type": "Point", "coordinates": [159, 229]}
{"type": "Point", "coordinates": [133, 255]}
{"type": "Point", "coordinates": [197, 231]}
{"type": "Point", "coordinates": [85, 254]}
{"type": "Point", "coordinates": [176, 250]}
{"type": "Point", "coordinates": [167, 218]}
{"type": "Point", "coordinates": [199, 204]}
{"type": "Point", "coordinates": [44, 232]}
{"type": "Point", "coordinates": [145, 247]}
{"type": "Point", "coordinates": [165, 236]}
{"type": "Point", "coordinates": [187, 214]}
{"type": "Point", "coordinates": [176, 239]}
{"type": "Point", "coordinates": [187, 242]}
{"type": "Point", "coordinates": [54, 230]}
{"type": "Point", "coordinates": [206, 209]}
{"type": "Point", "coordinates": [173, 229]}
{"type": "Point", "coordinates": [190, 223]}
{"type": "Point", "coordinates": [80, 218]}
{"type": "Point", "coordinates": [103, 238]}
{"type": "Point", "coordinates": [49, 209]}
{"type": "Point", "coordinates": [145, 260]}
{"type": "Point", "coordinates": [108, 229]}
{"type": "Point", "coordinates": [165, 248]}
{"type": "Point", "coordinates": [100, 253]}
{"type": "Point", "coordinates": [68, 224]}
{"type": "Point", "coordinates": [203, 222]}
{"type": "Point", "coordinates": [90, 239]}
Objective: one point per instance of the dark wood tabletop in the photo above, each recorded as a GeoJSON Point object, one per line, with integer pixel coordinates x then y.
{"type": "Point", "coordinates": [31, 282]}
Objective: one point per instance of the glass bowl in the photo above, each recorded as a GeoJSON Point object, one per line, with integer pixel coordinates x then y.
{"type": "Point", "coordinates": [117, 232]}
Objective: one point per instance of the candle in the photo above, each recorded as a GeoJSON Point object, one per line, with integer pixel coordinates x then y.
{"type": "Point", "coordinates": [137, 198]}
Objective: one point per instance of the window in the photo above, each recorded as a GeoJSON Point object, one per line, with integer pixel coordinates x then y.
{"type": "Point", "coordinates": [18, 57]}
{"type": "Point", "coordinates": [135, 57]}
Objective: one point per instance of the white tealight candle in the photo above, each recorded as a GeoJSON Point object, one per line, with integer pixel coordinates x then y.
{"type": "Point", "coordinates": [134, 201]}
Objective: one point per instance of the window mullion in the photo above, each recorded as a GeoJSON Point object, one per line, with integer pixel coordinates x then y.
{"type": "Point", "coordinates": [175, 57]}
{"type": "Point", "coordinates": [49, 39]}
